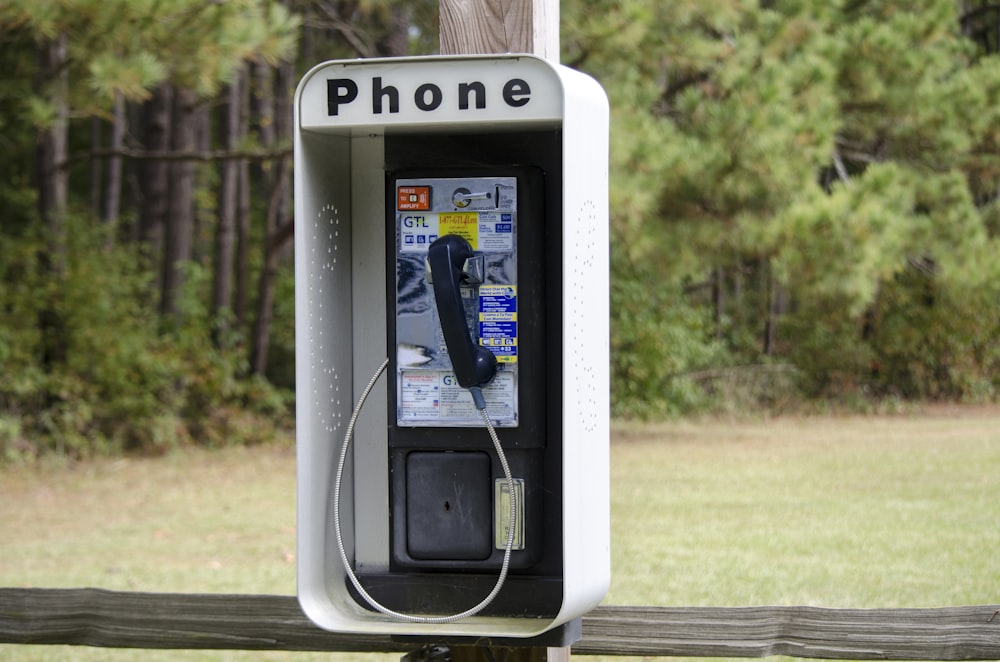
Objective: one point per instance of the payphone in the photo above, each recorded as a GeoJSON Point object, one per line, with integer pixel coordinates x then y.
{"type": "Point", "coordinates": [451, 308]}
{"type": "Point", "coordinates": [454, 307]}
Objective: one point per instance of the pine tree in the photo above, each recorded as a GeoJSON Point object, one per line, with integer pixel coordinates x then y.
{"type": "Point", "coordinates": [789, 163]}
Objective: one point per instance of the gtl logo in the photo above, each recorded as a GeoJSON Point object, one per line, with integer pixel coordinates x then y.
{"type": "Point", "coordinates": [415, 222]}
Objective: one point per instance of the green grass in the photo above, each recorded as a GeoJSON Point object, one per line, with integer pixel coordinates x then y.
{"type": "Point", "coordinates": [841, 512]}
{"type": "Point", "coordinates": [880, 512]}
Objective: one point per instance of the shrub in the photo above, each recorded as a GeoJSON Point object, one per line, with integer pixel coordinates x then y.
{"type": "Point", "coordinates": [126, 381]}
{"type": "Point", "coordinates": [657, 340]}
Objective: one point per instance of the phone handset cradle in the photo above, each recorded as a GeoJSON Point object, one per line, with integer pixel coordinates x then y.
{"type": "Point", "coordinates": [474, 365]}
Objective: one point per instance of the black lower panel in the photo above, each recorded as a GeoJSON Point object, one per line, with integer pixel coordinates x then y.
{"type": "Point", "coordinates": [441, 594]}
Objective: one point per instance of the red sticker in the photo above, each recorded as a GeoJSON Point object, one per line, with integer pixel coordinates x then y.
{"type": "Point", "coordinates": [413, 198]}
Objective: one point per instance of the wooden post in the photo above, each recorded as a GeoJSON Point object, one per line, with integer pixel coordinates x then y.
{"type": "Point", "coordinates": [502, 26]}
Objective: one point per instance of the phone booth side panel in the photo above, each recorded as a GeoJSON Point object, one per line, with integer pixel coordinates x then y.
{"type": "Point", "coordinates": [586, 311]}
{"type": "Point", "coordinates": [322, 289]}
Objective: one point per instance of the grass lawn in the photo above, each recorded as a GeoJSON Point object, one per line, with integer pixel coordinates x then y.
{"type": "Point", "coordinates": [841, 512]}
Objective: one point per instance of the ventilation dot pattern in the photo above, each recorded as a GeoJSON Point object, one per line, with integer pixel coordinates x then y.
{"type": "Point", "coordinates": [585, 247]}
{"type": "Point", "coordinates": [326, 387]}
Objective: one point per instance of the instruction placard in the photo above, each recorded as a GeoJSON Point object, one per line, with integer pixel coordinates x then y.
{"type": "Point", "coordinates": [432, 396]}
{"type": "Point", "coordinates": [498, 321]}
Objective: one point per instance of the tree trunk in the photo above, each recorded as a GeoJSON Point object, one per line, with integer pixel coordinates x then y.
{"type": "Point", "coordinates": [243, 215]}
{"type": "Point", "coordinates": [776, 307]}
{"type": "Point", "coordinates": [261, 335]}
{"type": "Point", "coordinates": [179, 228]}
{"type": "Point", "coordinates": [229, 199]}
{"type": "Point", "coordinates": [53, 186]}
{"type": "Point", "coordinates": [156, 173]}
{"type": "Point", "coordinates": [279, 223]}
{"type": "Point", "coordinates": [202, 125]}
{"type": "Point", "coordinates": [243, 238]}
{"type": "Point", "coordinates": [96, 166]}
{"type": "Point", "coordinates": [397, 41]}
{"type": "Point", "coordinates": [307, 42]}
{"type": "Point", "coordinates": [113, 193]}
{"type": "Point", "coordinates": [719, 300]}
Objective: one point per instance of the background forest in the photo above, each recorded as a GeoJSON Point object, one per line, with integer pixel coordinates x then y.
{"type": "Point", "coordinates": [805, 205]}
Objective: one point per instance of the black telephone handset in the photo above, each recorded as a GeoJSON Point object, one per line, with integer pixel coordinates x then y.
{"type": "Point", "coordinates": [474, 365]}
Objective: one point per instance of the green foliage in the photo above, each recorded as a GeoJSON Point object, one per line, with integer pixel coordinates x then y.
{"type": "Point", "coordinates": [121, 380]}
{"type": "Point", "coordinates": [128, 47]}
{"type": "Point", "coordinates": [931, 341]}
{"type": "Point", "coordinates": [131, 76]}
{"type": "Point", "coordinates": [832, 170]}
{"type": "Point", "coordinates": [839, 246]}
{"type": "Point", "coordinates": [281, 354]}
{"type": "Point", "coordinates": [804, 201]}
{"type": "Point", "coordinates": [126, 384]}
{"type": "Point", "coordinates": [657, 340]}
{"type": "Point", "coordinates": [826, 346]}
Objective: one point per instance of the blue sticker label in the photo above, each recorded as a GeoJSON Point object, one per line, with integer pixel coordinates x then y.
{"type": "Point", "coordinates": [498, 321]}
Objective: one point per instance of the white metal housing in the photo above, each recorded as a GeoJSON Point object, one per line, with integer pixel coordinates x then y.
{"type": "Point", "coordinates": [340, 268]}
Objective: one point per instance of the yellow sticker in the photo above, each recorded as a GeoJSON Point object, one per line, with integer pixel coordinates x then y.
{"type": "Point", "coordinates": [497, 317]}
{"type": "Point", "coordinates": [465, 224]}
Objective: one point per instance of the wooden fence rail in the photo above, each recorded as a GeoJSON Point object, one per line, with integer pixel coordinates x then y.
{"type": "Point", "coordinates": [97, 617]}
